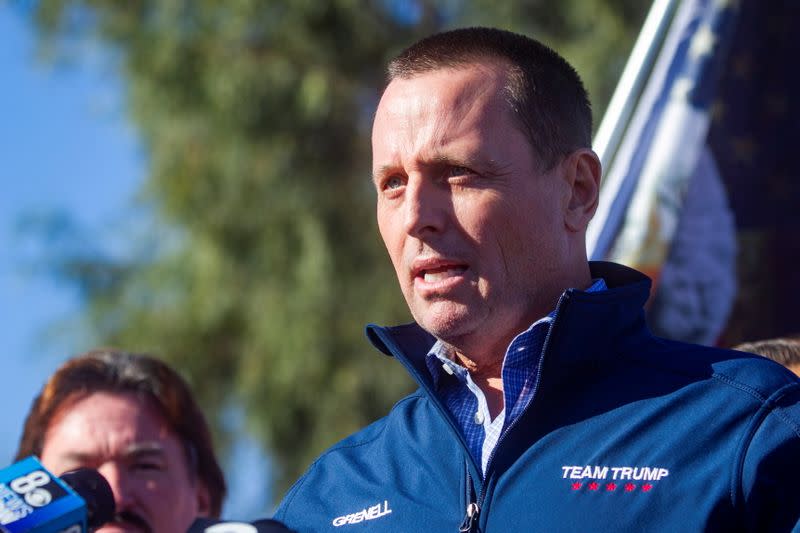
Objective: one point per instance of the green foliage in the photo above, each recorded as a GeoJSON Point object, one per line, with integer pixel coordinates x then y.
{"type": "Point", "coordinates": [255, 116]}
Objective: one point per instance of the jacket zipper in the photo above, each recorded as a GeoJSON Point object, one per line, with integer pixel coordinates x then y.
{"type": "Point", "coordinates": [470, 519]}
{"type": "Point", "coordinates": [474, 508]}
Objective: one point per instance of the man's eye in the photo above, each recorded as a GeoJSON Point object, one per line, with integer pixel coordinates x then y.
{"type": "Point", "coordinates": [393, 182]}
{"type": "Point", "coordinates": [458, 171]}
{"type": "Point", "coordinates": [147, 466]}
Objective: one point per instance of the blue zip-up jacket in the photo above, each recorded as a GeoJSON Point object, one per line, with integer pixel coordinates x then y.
{"type": "Point", "coordinates": [625, 432]}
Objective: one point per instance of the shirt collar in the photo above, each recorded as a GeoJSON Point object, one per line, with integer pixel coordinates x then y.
{"type": "Point", "coordinates": [441, 359]}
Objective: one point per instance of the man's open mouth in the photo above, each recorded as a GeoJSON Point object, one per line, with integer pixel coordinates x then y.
{"type": "Point", "coordinates": [432, 275]}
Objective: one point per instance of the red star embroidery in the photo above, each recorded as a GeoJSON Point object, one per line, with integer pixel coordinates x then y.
{"type": "Point", "coordinates": [630, 487]}
{"type": "Point", "coordinates": [593, 486]}
{"type": "Point", "coordinates": [611, 487]}
{"type": "Point", "coordinates": [646, 487]}
{"type": "Point", "coordinates": [576, 485]}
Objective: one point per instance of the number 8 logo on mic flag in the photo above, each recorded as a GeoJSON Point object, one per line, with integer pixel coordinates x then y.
{"type": "Point", "coordinates": [30, 488]}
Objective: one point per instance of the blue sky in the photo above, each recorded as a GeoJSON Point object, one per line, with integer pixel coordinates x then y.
{"type": "Point", "coordinates": [66, 148]}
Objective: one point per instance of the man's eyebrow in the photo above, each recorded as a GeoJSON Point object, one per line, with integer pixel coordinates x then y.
{"type": "Point", "coordinates": [382, 171]}
{"type": "Point", "coordinates": [436, 159]}
{"type": "Point", "coordinates": [77, 457]}
{"type": "Point", "coordinates": [441, 159]}
{"type": "Point", "coordinates": [489, 167]}
{"type": "Point", "coordinates": [138, 449]}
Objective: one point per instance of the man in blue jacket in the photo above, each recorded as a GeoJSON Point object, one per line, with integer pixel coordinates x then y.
{"type": "Point", "coordinates": [545, 404]}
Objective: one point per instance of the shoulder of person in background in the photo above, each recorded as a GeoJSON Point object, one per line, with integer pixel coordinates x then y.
{"type": "Point", "coordinates": [209, 525]}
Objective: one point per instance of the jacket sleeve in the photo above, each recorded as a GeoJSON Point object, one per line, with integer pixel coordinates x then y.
{"type": "Point", "coordinates": [769, 488]}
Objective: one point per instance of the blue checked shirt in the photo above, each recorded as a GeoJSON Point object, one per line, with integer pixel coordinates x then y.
{"type": "Point", "coordinates": [466, 400]}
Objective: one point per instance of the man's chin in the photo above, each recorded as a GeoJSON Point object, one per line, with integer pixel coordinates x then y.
{"type": "Point", "coordinates": [448, 321]}
{"type": "Point", "coordinates": [126, 521]}
{"type": "Point", "coordinates": [123, 527]}
{"type": "Point", "coordinates": [120, 528]}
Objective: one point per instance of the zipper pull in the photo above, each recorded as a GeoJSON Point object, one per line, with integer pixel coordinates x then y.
{"type": "Point", "coordinates": [471, 519]}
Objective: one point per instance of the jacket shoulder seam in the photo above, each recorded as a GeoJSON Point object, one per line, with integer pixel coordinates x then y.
{"type": "Point", "coordinates": [741, 386]}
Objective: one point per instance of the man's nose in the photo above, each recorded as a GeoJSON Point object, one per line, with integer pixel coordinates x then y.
{"type": "Point", "coordinates": [426, 207]}
{"type": "Point", "coordinates": [120, 483]}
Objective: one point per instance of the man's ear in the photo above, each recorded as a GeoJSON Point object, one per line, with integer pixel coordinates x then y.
{"type": "Point", "coordinates": [203, 500]}
{"type": "Point", "coordinates": [581, 170]}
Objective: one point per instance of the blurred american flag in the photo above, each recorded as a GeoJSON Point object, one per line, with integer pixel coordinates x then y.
{"type": "Point", "coordinates": [702, 188]}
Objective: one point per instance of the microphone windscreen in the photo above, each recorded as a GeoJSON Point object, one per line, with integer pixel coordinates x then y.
{"type": "Point", "coordinates": [95, 491]}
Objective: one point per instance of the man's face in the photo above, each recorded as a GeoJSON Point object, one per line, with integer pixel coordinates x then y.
{"type": "Point", "coordinates": [128, 441]}
{"type": "Point", "coordinates": [474, 228]}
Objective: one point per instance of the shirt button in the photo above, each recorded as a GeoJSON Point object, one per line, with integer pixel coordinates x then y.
{"type": "Point", "coordinates": [479, 418]}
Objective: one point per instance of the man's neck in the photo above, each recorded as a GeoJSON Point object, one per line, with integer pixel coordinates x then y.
{"type": "Point", "coordinates": [487, 371]}
{"type": "Point", "coordinates": [488, 377]}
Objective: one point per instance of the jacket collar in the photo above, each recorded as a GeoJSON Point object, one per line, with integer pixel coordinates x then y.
{"type": "Point", "coordinates": [600, 317]}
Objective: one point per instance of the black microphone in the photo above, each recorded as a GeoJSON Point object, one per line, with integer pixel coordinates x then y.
{"type": "Point", "coordinates": [33, 500]}
{"type": "Point", "coordinates": [95, 491]}
{"type": "Point", "coordinates": [210, 525]}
